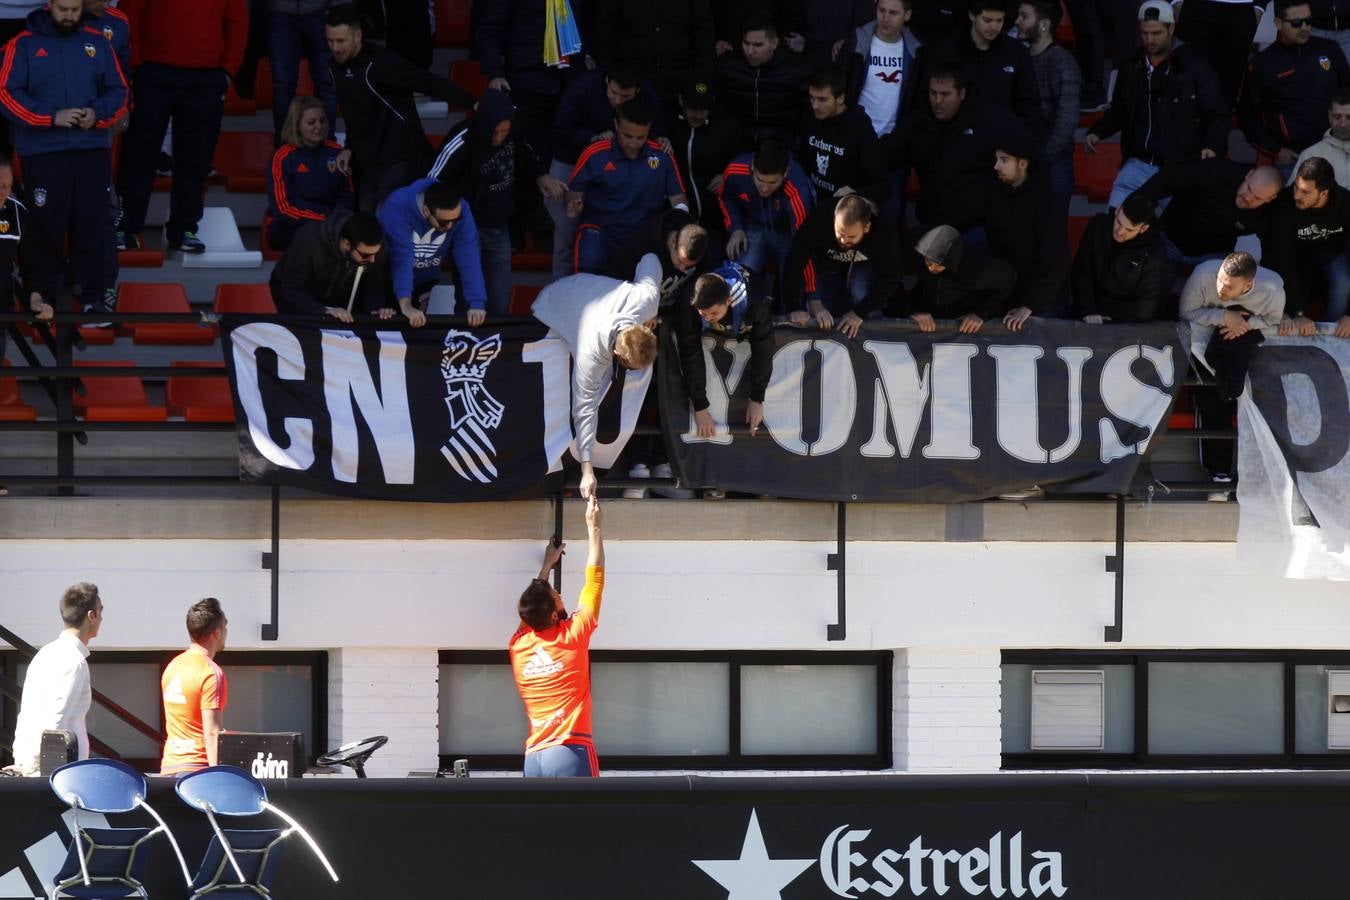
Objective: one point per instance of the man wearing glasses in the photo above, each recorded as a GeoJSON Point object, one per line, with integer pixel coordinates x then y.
{"type": "Point", "coordinates": [422, 222]}
{"type": "Point", "coordinates": [335, 267]}
{"type": "Point", "coordinates": [1290, 85]}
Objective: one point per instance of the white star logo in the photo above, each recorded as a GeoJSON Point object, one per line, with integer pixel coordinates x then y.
{"type": "Point", "coordinates": [754, 876]}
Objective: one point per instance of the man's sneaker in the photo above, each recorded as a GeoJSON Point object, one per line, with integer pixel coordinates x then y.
{"type": "Point", "coordinates": [128, 241]}
{"type": "Point", "coordinates": [165, 164]}
{"type": "Point", "coordinates": [634, 493]}
{"type": "Point", "coordinates": [714, 494]}
{"type": "Point", "coordinates": [1024, 494]}
{"type": "Point", "coordinates": [1220, 496]}
{"type": "Point", "coordinates": [188, 243]}
{"type": "Point", "coordinates": [97, 309]}
{"type": "Point", "coordinates": [676, 492]}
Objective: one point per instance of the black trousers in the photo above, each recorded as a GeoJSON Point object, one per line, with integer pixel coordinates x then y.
{"type": "Point", "coordinates": [195, 100]}
{"type": "Point", "coordinates": [70, 200]}
{"type": "Point", "coordinates": [1215, 408]}
{"type": "Point", "coordinates": [1222, 33]}
{"type": "Point", "coordinates": [1091, 49]}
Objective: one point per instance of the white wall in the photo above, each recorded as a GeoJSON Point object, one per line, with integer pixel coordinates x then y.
{"type": "Point", "coordinates": [680, 595]}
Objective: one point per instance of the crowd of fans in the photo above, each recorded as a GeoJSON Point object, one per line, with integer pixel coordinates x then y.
{"type": "Point", "coordinates": [761, 149]}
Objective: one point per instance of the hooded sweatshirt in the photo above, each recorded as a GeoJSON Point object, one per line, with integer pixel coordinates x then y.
{"type": "Point", "coordinates": [816, 254]}
{"type": "Point", "coordinates": [1200, 301]}
{"type": "Point", "coordinates": [1125, 282]}
{"type": "Point", "coordinates": [417, 249]}
{"type": "Point", "coordinates": [1299, 239]}
{"type": "Point", "coordinates": [841, 151]}
{"type": "Point", "coordinates": [969, 283]}
{"type": "Point", "coordinates": [314, 273]}
{"type": "Point", "coordinates": [588, 312]}
{"type": "Point", "coordinates": [1335, 151]}
{"type": "Point", "coordinates": [487, 176]}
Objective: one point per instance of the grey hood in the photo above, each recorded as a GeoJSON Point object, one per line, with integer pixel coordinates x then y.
{"type": "Point", "coordinates": [942, 245]}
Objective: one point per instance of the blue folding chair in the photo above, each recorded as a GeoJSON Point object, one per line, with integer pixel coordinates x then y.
{"type": "Point", "coordinates": [106, 863]}
{"type": "Point", "coordinates": [252, 854]}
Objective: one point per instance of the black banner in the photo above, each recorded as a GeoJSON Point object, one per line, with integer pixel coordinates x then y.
{"type": "Point", "coordinates": [897, 415]}
{"type": "Point", "coordinates": [426, 414]}
{"type": "Point", "coordinates": [1255, 836]}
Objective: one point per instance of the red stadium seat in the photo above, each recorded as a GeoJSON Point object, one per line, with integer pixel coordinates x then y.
{"type": "Point", "coordinates": [1064, 35]}
{"type": "Point", "coordinates": [912, 186]}
{"type": "Point", "coordinates": [144, 258]}
{"type": "Point", "coordinates": [1088, 119]}
{"type": "Point", "coordinates": [1181, 420]}
{"type": "Point", "coordinates": [12, 407]}
{"type": "Point", "coordinates": [236, 105]}
{"type": "Point", "coordinates": [262, 83]}
{"type": "Point", "coordinates": [1077, 225]}
{"type": "Point", "coordinates": [268, 252]}
{"type": "Point", "coordinates": [532, 260]}
{"type": "Point", "coordinates": [245, 298]}
{"type": "Point", "coordinates": [160, 298]}
{"type": "Point", "coordinates": [200, 399]}
{"type": "Point", "coordinates": [469, 75]}
{"type": "Point", "coordinates": [1094, 173]}
{"type": "Point", "coordinates": [243, 158]}
{"type": "Point", "coordinates": [115, 398]}
{"type": "Point", "coordinates": [522, 298]}
{"type": "Point", "coordinates": [452, 23]}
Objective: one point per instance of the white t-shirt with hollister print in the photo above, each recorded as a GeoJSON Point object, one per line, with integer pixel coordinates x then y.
{"type": "Point", "coordinates": [880, 95]}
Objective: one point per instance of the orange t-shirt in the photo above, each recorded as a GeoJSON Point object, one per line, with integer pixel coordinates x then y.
{"type": "Point", "coordinates": [191, 683]}
{"type": "Point", "coordinates": [553, 672]}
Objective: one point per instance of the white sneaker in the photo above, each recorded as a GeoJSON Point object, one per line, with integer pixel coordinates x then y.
{"type": "Point", "coordinates": [714, 494]}
{"type": "Point", "coordinates": [635, 493]}
{"type": "Point", "coordinates": [1220, 496]}
{"type": "Point", "coordinates": [1024, 494]}
{"type": "Point", "coordinates": [663, 470]}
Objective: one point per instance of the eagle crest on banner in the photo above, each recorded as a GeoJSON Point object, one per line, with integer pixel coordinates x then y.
{"type": "Point", "coordinates": [473, 411]}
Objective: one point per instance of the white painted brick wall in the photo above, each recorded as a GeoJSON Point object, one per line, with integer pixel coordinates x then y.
{"type": "Point", "coordinates": [389, 691]}
{"type": "Point", "coordinates": [947, 709]}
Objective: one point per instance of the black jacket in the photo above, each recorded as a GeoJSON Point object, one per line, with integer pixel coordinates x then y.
{"type": "Point", "coordinates": [1188, 113]}
{"type": "Point", "coordinates": [769, 101]}
{"type": "Point", "coordinates": [1127, 282]}
{"type": "Point", "coordinates": [375, 91]}
{"type": "Point", "coordinates": [815, 243]}
{"type": "Point", "coordinates": [25, 241]}
{"type": "Point", "coordinates": [653, 236]}
{"type": "Point", "coordinates": [493, 179]}
{"type": "Point", "coordinates": [508, 37]}
{"type": "Point", "coordinates": [756, 326]}
{"type": "Point", "coordinates": [1025, 229]}
{"type": "Point", "coordinates": [313, 273]}
{"type": "Point", "coordinates": [1287, 91]}
{"type": "Point", "coordinates": [1000, 76]}
{"type": "Point", "coordinates": [702, 154]}
{"type": "Point", "coordinates": [954, 160]}
{"type": "Point", "coordinates": [584, 112]}
{"type": "Point", "coordinates": [972, 282]}
{"type": "Point", "coordinates": [1203, 216]}
{"type": "Point", "coordinates": [672, 40]}
{"type": "Point", "coordinates": [1297, 243]}
{"type": "Point", "coordinates": [844, 151]}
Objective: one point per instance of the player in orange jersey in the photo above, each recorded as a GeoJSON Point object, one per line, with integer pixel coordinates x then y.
{"type": "Point", "coordinates": [195, 693]}
{"type": "Point", "coordinates": [550, 657]}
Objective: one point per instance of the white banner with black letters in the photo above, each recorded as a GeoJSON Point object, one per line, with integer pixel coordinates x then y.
{"type": "Point", "coordinates": [1294, 458]}
{"type": "Point", "coordinates": [897, 415]}
{"type": "Point", "coordinates": [424, 414]}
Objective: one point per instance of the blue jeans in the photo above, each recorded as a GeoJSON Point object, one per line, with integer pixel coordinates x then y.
{"type": "Point", "coordinates": [564, 761]}
{"type": "Point", "coordinates": [1061, 187]}
{"type": "Point", "coordinates": [594, 246]}
{"type": "Point", "coordinates": [762, 245]}
{"type": "Point", "coordinates": [1129, 179]}
{"type": "Point", "coordinates": [289, 38]}
{"type": "Point", "coordinates": [842, 290]}
{"type": "Point", "coordinates": [494, 247]}
{"type": "Point", "coordinates": [1338, 287]}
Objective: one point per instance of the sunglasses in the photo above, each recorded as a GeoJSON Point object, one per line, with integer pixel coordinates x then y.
{"type": "Point", "coordinates": [1298, 23]}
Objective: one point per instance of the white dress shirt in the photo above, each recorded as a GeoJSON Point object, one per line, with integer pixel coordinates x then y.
{"type": "Point", "coordinates": [56, 697]}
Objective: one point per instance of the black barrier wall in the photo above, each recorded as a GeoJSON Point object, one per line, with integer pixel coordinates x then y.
{"type": "Point", "coordinates": [1273, 836]}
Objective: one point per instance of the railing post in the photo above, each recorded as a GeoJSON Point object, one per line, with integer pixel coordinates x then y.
{"type": "Point", "coordinates": [835, 561]}
{"type": "Point", "coordinates": [272, 561]}
{"type": "Point", "coordinates": [65, 410]}
{"type": "Point", "coordinates": [1116, 564]}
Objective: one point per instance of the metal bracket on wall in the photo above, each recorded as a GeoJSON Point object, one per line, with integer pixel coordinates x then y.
{"type": "Point", "coordinates": [835, 563]}
{"type": "Point", "coordinates": [1116, 565]}
{"type": "Point", "coordinates": [272, 562]}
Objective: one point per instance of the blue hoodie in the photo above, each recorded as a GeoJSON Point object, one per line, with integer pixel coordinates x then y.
{"type": "Point", "coordinates": [416, 248]}
{"type": "Point", "coordinates": [44, 72]}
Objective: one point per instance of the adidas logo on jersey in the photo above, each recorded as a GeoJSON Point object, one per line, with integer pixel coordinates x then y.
{"type": "Point", "coordinates": [541, 664]}
{"type": "Point", "coordinates": [41, 52]}
{"type": "Point", "coordinates": [610, 167]}
{"type": "Point", "coordinates": [302, 168]}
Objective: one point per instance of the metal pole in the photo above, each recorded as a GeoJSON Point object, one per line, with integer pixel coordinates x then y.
{"type": "Point", "coordinates": [835, 561]}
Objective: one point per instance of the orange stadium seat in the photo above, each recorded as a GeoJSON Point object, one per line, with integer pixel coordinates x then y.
{"type": "Point", "coordinates": [12, 407]}
{"type": "Point", "coordinates": [245, 298]}
{"type": "Point", "coordinates": [243, 158]}
{"type": "Point", "coordinates": [200, 399]}
{"type": "Point", "coordinates": [452, 23]}
{"type": "Point", "coordinates": [160, 298]}
{"type": "Point", "coordinates": [115, 398]}
{"type": "Point", "coordinates": [522, 298]}
{"type": "Point", "coordinates": [469, 75]}
{"type": "Point", "coordinates": [1094, 173]}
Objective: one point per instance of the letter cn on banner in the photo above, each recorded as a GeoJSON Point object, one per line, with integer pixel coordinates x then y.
{"type": "Point", "coordinates": [412, 415]}
{"type": "Point", "coordinates": [897, 415]}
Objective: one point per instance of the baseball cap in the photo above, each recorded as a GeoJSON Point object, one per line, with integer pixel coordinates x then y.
{"type": "Point", "coordinates": [1157, 11]}
{"type": "Point", "coordinates": [699, 94]}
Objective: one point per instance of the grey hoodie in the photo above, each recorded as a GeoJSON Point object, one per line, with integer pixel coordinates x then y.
{"type": "Point", "coordinates": [1200, 301]}
{"type": "Point", "coordinates": [1334, 151]}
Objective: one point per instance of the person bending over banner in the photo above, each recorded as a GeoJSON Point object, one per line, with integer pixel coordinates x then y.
{"type": "Point", "coordinates": [729, 302]}
{"type": "Point", "coordinates": [550, 659]}
{"type": "Point", "coordinates": [601, 320]}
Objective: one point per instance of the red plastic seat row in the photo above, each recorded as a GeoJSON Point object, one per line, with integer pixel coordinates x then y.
{"type": "Point", "coordinates": [117, 398]}
{"type": "Point", "coordinates": [12, 407]}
